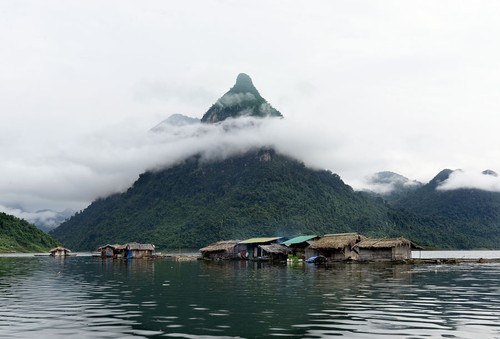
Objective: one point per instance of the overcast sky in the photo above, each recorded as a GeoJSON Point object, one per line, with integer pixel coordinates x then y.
{"type": "Point", "coordinates": [365, 86]}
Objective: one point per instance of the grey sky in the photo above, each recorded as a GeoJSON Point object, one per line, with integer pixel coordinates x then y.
{"type": "Point", "coordinates": [365, 86]}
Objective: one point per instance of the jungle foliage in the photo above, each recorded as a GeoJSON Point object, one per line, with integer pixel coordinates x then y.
{"type": "Point", "coordinates": [17, 235]}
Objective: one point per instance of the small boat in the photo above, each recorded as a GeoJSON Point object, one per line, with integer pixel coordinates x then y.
{"type": "Point", "coordinates": [317, 260]}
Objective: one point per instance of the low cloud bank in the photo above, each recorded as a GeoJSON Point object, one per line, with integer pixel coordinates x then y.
{"type": "Point", "coordinates": [233, 99]}
{"type": "Point", "coordinates": [54, 175]}
{"type": "Point", "coordinates": [51, 174]}
{"type": "Point", "coordinates": [45, 219]}
{"type": "Point", "coordinates": [387, 188]}
{"type": "Point", "coordinates": [471, 180]}
{"type": "Point", "coordinates": [385, 183]}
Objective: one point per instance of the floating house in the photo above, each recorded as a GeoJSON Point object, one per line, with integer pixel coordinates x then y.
{"type": "Point", "coordinates": [127, 251]}
{"type": "Point", "coordinates": [60, 251]}
{"type": "Point", "coordinates": [221, 250]}
{"type": "Point", "coordinates": [301, 246]}
{"type": "Point", "coordinates": [385, 249]}
{"type": "Point", "coordinates": [250, 248]}
{"type": "Point", "coordinates": [120, 251]}
{"type": "Point", "coordinates": [107, 251]}
{"type": "Point", "coordinates": [338, 246]}
{"type": "Point", "coordinates": [275, 252]}
{"type": "Point", "coordinates": [136, 250]}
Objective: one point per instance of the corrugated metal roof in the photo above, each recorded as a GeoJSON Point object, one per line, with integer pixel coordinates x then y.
{"type": "Point", "coordinates": [258, 240]}
{"type": "Point", "coordinates": [300, 239]}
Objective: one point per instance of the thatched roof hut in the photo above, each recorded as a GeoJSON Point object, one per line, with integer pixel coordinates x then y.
{"type": "Point", "coordinates": [386, 249]}
{"type": "Point", "coordinates": [139, 247]}
{"type": "Point", "coordinates": [337, 241]}
{"type": "Point", "coordinates": [129, 250]}
{"type": "Point", "coordinates": [136, 250]}
{"type": "Point", "coordinates": [338, 246]}
{"type": "Point", "coordinates": [220, 246]}
{"type": "Point", "coordinates": [59, 251]}
{"type": "Point", "coordinates": [107, 251]}
{"type": "Point", "coordinates": [221, 250]}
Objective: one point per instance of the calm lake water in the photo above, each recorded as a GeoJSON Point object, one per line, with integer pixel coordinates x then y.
{"type": "Point", "coordinates": [87, 297]}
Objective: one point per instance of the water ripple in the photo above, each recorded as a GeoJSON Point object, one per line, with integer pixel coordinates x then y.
{"type": "Point", "coordinates": [87, 297]}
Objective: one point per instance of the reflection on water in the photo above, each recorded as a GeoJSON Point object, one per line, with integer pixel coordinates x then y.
{"type": "Point", "coordinates": [88, 297]}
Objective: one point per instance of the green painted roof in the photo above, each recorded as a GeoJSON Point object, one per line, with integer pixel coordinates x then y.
{"type": "Point", "coordinates": [298, 240]}
{"type": "Point", "coordinates": [258, 240]}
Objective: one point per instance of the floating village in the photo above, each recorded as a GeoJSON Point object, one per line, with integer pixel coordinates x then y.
{"type": "Point", "coordinates": [330, 248]}
{"type": "Point", "coordinates": [310, 248]}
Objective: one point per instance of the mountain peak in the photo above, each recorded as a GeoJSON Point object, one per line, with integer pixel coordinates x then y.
{"type": "Point", "coordinates": [440, 177]}
{"type": "Point", "coordinates": [243, 99]}
{"type": "Point", "coordinates": [490, 172]}
{"type": "Point", "coordinates": [244, 84]}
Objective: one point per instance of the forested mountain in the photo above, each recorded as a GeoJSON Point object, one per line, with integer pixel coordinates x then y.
{"type": "Point", "coordinates": [468, 218]}
{"type": "Point", "coordinates": [17, 235]}
{"type": "Point", "coordinates": [260, 193]}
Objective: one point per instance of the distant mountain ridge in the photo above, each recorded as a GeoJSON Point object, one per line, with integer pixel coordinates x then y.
{"type": "Point", "coordinates": [464, 217]}
{"type": "Point", "coordinates": [391, 186]}
{"type": "Point", "coordinates": [175, 120]}
{"type": "Point", "coordinates": [45, 219]}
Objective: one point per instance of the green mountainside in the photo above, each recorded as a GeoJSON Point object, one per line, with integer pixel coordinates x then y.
{"type": "Point", "coordinates": [465, 218]}
{"type": "Point", "coordinates": [17, 235]}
